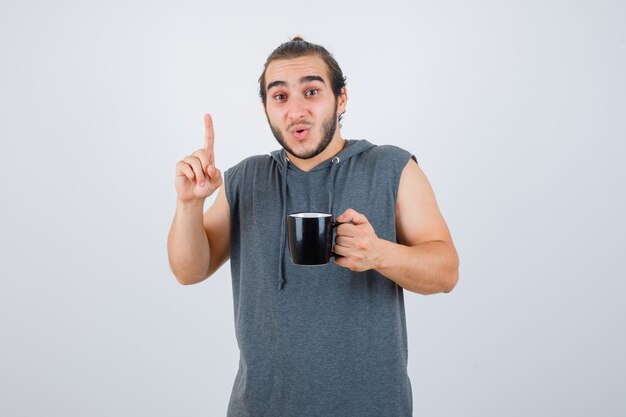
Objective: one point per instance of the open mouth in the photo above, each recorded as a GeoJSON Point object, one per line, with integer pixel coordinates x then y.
{"type": "Point", "coordinates": [300, 133]}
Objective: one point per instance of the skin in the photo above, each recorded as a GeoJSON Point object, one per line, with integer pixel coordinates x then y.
{"type": "Point", "coordinates": [424, 259]}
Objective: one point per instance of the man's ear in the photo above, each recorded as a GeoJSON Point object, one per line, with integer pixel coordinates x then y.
{"type": "Point", "coordinates": [342, 100]}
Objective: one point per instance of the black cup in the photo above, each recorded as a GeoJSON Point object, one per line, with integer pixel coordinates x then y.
{"type": "Point", "coordinates": [310, 237]}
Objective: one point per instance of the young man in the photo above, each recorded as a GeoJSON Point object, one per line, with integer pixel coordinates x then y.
{"type": "Point", "coordinates": [315, 341]}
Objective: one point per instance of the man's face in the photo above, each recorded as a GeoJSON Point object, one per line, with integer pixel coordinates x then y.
{"type": "Point", "coordinates": [301, 107]}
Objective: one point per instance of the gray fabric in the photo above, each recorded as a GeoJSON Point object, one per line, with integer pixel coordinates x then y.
{"type": "Point", "coordinates": [321, 340]}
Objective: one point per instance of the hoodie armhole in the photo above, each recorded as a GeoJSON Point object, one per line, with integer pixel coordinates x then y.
{"type": "Point", "coordinates": [227, 176]}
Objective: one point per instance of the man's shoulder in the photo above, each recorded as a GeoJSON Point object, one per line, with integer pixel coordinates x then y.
{"type": "Point", "coordinates": [251, 162]}
{"type": "Point", "coordinates": [388, 153]}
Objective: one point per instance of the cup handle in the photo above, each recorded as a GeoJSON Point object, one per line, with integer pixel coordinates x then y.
{"type": "Point", "coordinates": [335, 224]}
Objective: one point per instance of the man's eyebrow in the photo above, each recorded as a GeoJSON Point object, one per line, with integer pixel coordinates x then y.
{"type": "Point", "coordinates": [309, 78]}
{"type": "Point", "coordinates": [303, 80]}
{"type": "Point", "coordinates": [276, 84]}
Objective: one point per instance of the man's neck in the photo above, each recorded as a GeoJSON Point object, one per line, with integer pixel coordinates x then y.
{"type": "Point", "coordinates": [334, 147]}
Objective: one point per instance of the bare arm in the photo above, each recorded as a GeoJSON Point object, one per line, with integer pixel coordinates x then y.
{"type": "Point", "coordinates": [199, 244]}
{"type": "Point", "coordinates": [424, 261]}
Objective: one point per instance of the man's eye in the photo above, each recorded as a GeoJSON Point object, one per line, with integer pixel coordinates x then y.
{"type": "Point", "coordinates": [311, 92]}
{"type": "Point", "coordinates": [279, 96]}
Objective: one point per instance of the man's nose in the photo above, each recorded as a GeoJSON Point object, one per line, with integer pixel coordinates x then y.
{"type": "Point", "coordinates": [297, 108]}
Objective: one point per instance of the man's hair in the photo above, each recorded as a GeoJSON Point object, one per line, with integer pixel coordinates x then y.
{"type": "Point", "coordinates": [296, 48]}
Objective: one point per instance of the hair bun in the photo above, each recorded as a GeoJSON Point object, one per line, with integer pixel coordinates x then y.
{"type": "Point", "coordinates": [297, 38]}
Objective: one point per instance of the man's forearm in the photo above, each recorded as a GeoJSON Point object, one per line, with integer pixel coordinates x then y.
{"type": "Point", "coordinates": [188, 245]}
{"type": "Point", "coordinates": [427, 268]}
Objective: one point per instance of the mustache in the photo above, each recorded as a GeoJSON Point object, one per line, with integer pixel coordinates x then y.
{"type": "Point", "coordinates": [299, 123]}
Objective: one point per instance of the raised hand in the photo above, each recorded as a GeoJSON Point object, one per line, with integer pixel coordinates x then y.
{"type": "Point", "coordinates": [196, 175]}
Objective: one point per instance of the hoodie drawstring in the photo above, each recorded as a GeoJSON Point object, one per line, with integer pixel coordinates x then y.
{"type": "Point", "coordinates": [331, 183]}
{"type": "Point", "coordinates": [281, 260]}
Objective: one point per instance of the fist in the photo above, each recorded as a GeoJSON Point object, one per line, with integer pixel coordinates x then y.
{"type": "Point", "coordinates": [356, 242]}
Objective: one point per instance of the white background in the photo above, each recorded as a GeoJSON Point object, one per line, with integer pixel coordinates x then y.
{"type": "Point", "coordinates": [515, 110]}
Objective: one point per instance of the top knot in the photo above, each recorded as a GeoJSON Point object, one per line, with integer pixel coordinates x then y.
{"type": "Point", "coordinates": [297, 38]}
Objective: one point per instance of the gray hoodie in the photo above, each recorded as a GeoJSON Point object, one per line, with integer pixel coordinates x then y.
{"type": "Point", "coordinates": [322, 340]}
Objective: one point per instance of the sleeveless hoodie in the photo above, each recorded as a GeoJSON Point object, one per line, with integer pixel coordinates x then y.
{"type": "Point", "coordinates": [315, 340]}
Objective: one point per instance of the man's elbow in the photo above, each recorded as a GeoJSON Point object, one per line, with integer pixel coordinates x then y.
{"type": "Point", "coordinates": [452, 276]}
{"type": "Point", "coordinates": [185, 280]}
{"type": "Point", "coordinates": [186, 277]}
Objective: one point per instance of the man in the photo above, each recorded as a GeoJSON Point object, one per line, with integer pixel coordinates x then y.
{"type": "Point", "coordinates": [314, 341]}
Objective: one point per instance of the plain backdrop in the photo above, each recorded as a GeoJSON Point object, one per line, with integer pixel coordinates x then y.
{"type": "Point", "coordinates": [516, 111]}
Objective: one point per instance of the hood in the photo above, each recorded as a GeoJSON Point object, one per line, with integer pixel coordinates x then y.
{"type": "Point", "coordinates": [353, 147]}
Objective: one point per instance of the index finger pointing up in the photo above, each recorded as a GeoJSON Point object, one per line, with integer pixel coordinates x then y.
{"type": "Point", "coordinates": [208, 132]}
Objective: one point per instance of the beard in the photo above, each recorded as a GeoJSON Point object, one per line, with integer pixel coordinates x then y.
{"type": "Point", "coordinates": [329, 126]}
